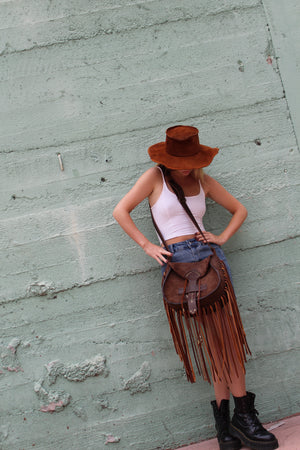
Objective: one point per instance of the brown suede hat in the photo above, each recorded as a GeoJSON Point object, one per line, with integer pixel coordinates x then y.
{"type": "Point", "coordinates": [182, 149]}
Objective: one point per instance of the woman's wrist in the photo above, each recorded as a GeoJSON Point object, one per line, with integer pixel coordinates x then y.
{"type": "Point", "coordinates": [144, 244]}
{"type": "Point", "coordinates": [222, 239]}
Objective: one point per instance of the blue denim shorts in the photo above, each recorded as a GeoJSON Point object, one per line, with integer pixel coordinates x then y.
{"type": "Point", "coordinates": [192, 250]}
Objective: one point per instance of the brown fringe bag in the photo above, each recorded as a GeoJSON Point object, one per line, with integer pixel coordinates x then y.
{"type": "Point", "coordinates": [201, 305]}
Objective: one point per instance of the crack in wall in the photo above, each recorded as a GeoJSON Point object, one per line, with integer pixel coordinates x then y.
{"type": "Point", "coordinates": [9, 50]}
{"type": "Point", "coordinates": [161, 125]}
{"type": "Point", "coordinates": [50, 290]}
{"type": "Point", "coordinates": [271, 48]}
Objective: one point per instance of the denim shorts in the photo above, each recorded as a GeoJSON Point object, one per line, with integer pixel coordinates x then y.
{"type": "Point", "coordinates": [192, 250]}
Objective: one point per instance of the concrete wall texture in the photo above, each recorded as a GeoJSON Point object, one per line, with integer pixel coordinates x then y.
{"type": "Point", "coordinates": [86, 355]}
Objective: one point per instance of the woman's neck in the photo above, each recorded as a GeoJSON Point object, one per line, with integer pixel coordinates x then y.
{"type": "Point", "coordinates": [186, 181]}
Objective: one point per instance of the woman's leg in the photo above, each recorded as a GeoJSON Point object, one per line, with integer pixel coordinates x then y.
{"type": "Point", "coordinates": [221, 391]}
{"type": "Point", "coordinates": [237, 386]}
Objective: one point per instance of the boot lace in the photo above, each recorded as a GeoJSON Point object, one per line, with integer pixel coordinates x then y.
{"type": "Point", "coordinates": [253, 413]}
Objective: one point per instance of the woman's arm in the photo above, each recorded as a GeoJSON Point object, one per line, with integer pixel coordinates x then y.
{"type": "Point", "coordinates": [143, 188]}
{"type": "Point", "coordinates": [218, 193]}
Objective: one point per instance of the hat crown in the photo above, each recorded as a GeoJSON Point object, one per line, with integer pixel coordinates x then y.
{"type": "Point", "coordinates": [182, 141]}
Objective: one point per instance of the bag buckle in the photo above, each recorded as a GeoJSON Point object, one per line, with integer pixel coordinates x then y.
{"type": "Point", "coordinates": [192, 290]}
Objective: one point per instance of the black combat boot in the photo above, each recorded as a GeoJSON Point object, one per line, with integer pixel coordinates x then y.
{"type": "Point", "coordinates": [246, 426]}
{"type": "Point", "coordinates": [226, 441]}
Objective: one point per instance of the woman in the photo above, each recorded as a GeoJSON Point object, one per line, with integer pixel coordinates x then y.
{"type": "Point", "coordinates": [181, 159]}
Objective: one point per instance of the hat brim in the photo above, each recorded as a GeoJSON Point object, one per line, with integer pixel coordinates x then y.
{"type": "Point", "coordinates": [203, 158]}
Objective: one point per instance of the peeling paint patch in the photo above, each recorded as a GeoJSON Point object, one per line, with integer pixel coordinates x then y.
{"type": "Point", "coordinates": [14, 369]}
{"type": "Point", "coordinates": [8, 356]}
{"type": "Point", "coordinates": [13, 345]}
{"type": "Point", "coordinates": [56, 401]}
{"type": "Point", "coordinates": [77, 372]}
{"type": "Point", "coordinates": [40, 288]}
{"type": "Point", "coordinates": [112, 439]}
{"type": "Point", "coordinates": [53, 401]}
{"type": "Point", "coordinates": [138, 382]}
{"type": "Point", "coordinates": [52, 406]}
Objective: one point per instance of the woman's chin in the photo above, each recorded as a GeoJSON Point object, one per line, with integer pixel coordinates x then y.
{"type": "Point", "coordinates": [184, 172]}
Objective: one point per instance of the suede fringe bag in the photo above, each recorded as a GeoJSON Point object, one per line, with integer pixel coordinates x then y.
{"type": "Point", "coordinates": [203, 313]}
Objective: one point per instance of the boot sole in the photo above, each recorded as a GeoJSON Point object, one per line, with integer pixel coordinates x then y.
{"type": "Point", "coordinates": [229, 446]}
{"type": "Point", "coordinates": [255, 445]}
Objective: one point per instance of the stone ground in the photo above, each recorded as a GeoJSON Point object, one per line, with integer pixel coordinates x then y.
{"type": "Point", "coordinates": [286, 430]}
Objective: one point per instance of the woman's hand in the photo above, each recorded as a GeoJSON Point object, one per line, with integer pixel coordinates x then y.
{"type": "Point", "coordinates": [210, 237]}
{"type": "Point", "coordinates": [160, 254]}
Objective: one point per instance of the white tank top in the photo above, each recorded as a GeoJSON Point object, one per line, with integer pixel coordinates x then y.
{"type": "Point", "coordinates": [171, 218]}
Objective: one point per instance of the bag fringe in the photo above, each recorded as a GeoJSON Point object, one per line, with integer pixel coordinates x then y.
{"type": "Point", "coordinates": [215, 334]}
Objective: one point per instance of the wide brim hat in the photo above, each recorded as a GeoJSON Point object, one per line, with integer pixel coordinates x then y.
{"type": "Point", "coordinates": [182, 149]}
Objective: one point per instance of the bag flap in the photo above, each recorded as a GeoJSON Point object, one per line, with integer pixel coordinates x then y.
{"type": "Point", "coordinates": [184, 269]}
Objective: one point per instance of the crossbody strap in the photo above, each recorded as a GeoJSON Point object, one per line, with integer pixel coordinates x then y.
{"type": "Point", "coordinates": [181, 197]}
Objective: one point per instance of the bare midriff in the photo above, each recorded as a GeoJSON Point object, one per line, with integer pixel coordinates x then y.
{"type": "Point", "coordinates": [180, 239]}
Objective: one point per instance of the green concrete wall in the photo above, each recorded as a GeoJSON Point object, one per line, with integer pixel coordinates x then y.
{"type": "Point", "coordinates": [86, 355]}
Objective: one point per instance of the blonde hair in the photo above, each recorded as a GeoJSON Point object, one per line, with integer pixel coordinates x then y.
{"type": "Point", "coordinates": [198, 174]}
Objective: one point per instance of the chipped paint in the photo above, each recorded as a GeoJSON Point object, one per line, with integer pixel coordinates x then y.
{"type": "Point", "coordinates": [8, 356]}
{"type": "Point", "coordinates": [112, 439]}
{"type": "Point", "coordinates": [57, 400]}
{"type": "Point", "coordinates": [40, 288]}
{"type": "Point", "coordinates": [138, 382]}
{"type": "Point", "coordinates": [52, 400]}
{"type": "Point", "coordinates": [53, 406]}
{"type": "Point", "coordinates": [14, 344]}
{"type": "Point", "coordinates": [77, 372]}
{"type": "Point", "coordinates": [14, 369]}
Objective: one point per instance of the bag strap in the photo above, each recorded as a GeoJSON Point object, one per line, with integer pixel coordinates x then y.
{"type": "Point", "coordinates": [178, 191]}
{"type": "Point", "coordinates": [181, 197]}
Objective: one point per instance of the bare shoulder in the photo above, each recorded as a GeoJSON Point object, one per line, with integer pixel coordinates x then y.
{"type": "Point", "coordinates": [209, 183]}
{"type": "Point", "coordinates": [149, 180]}
{"type": "Point", "coordinates": [152, 174]}
{"type": "Point", "coordinates": [144, 187]}
{"type": "Point", "coordinates": [218, 193]}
